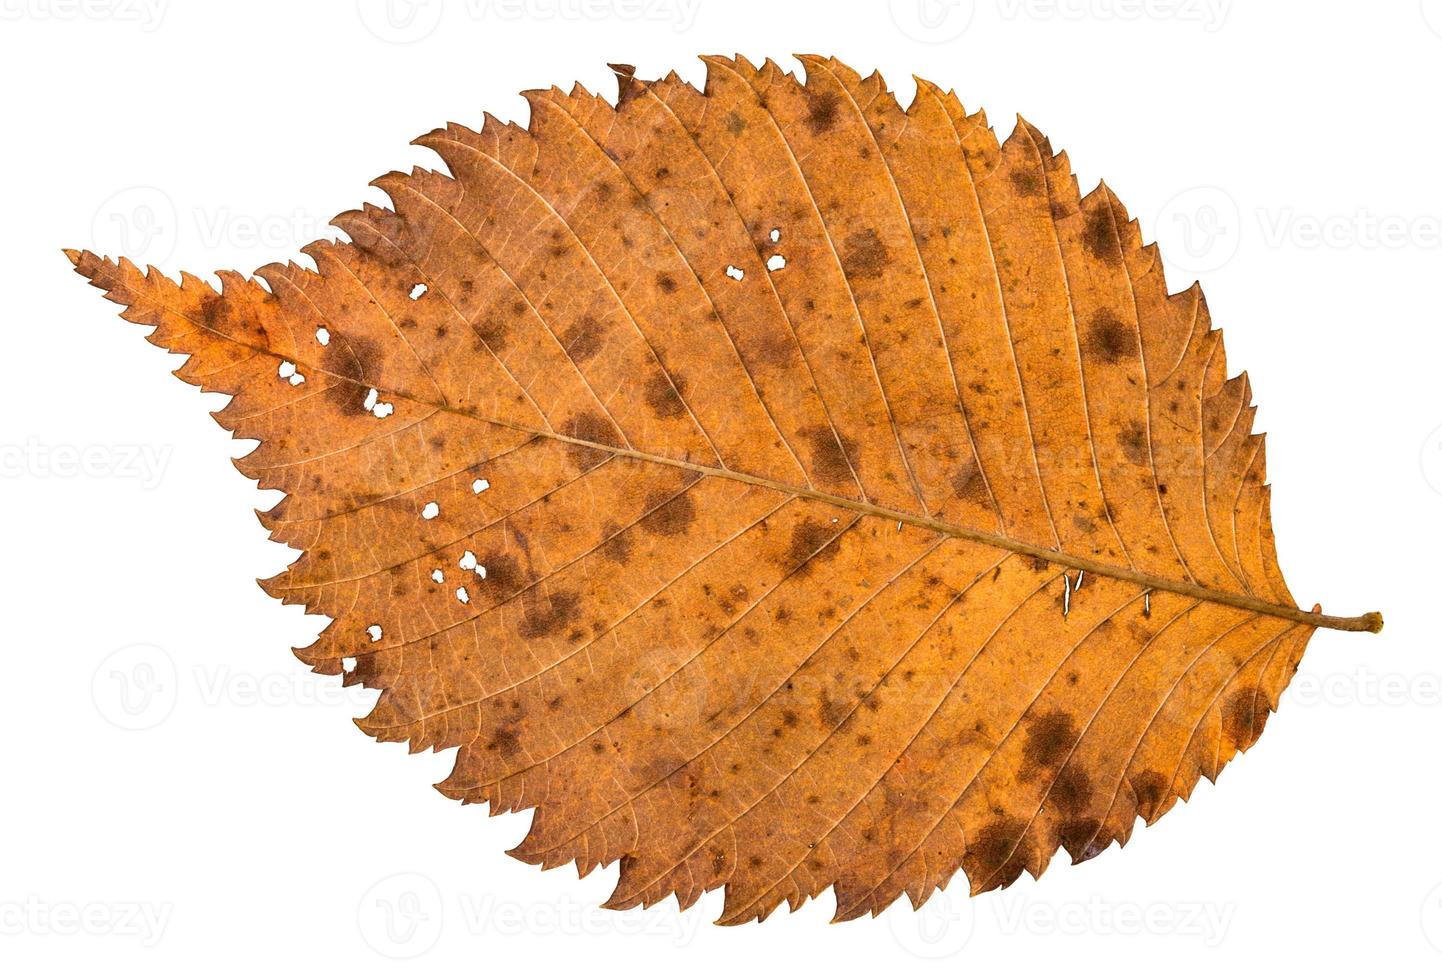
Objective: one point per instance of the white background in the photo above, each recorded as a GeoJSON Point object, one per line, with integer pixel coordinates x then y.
{"type": "Point", "coordinates": [181, 798]}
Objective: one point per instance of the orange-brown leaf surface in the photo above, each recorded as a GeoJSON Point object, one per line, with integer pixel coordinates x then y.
{"type": "Point", "coordinates": [773, 487]}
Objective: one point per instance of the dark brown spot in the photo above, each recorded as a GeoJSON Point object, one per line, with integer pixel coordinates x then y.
{"type": "Point", "coordinates": [1082, 840]}
{"type": "Point", "coordinates": [735, 125]}
{"type": "Point", "coordinates": [1244, 716]}
{"type": "Point", "coordinates": [357, 361]}
{"type": "Point", "coordinates": [617, 546]}
{"type": "Point", "coordinates": [1109, 339]}
{"type": "Point", "coordinates": [661, 395]}
{"type": "Point", "coordinates": [1026, 182]}
{"type": "Point", "coordinates": [1150, 788]}
{"type": "Point", "coordinates": [1072, 790]}
{"type": "Point", "coordinates": [582, 339]}
{"type": "Point", "coordinates": [823, 112]}
{"type": "Point", "coordinates": [1100, 237]}
{"type": "Point", "coordinates": [864, 255]}
{"type": "Point", "coordinates": [665, 283]}
{"type": "Point", "coordinates": [591, 427]}
{"type": "Point", "coordinates": [808, 539]}
{"type": "Point", "coordinates": [493, 333]}
{"type": "Point", "coordinates": [995, 858]}
{"type": "Point", "coordinates": [968, 483]}
{"type": "Point", "coordinates": [1049, 740]}
{"type": "Point", "coordinates": [669, 517]}
{"type": "Point", "coordinates": [504, 741]}
{"type": "Point", "coordinates": [1133, 442]}
{"type": "Point", "coordinates": [546, 615]}
{"type": "Point", "coordinates": [830, 454]}
{"type": "Point", "coordinates": [503, 574]}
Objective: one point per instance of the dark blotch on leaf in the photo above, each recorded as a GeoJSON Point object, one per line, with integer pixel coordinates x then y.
{"type": "Point", "coordinates": [662, 397]}
{"type": "Point", "coordinates": [823, 112]}
{"type": "Point", "coordinates": [1049, 740]}
{"type": "Point", "coordinates": [1244, 716]}
{"type": "Point", "coordinates": [1100, 237]}
{"type": "Point", "coordinates": [546, 615]}
{"type": "Point", "coordinates": [864, 255]}
{"type": "Point", "coordinates": [1109, 338]}
{"type": "Point", "coordinates": [674, 516]}
{"type": "Point", "coordinates": [582, 340]}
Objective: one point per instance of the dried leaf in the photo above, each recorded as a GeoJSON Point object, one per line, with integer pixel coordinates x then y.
{"type": "Point", "coordinates": [773, 487]}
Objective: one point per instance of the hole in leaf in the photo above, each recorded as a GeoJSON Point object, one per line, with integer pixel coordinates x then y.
{"type": "Point", "coordinates": [776, 234]}
{"type": "Point", "coordinates": [463, 595]}
{"type": "Point", "coordinates": [468, 561]}
{"type": "Point", "coordinates": [322, 336]}
{"type": "Point", "coordinates": [480, 486]}
{"type": "Point", "coordinates": [430, 510]}
{"type": "Point", "coordinates": [776, 262]}
{"type": "Point", "coordinates": [437, 575]}
{"type": "Point", "coordinates": [347, 664]}
{"type": "Point", "coordinates": [418, 290]}
{"type": "Point", "coordinates": [375, 632]}
{"type": "Point", "coordinates": [735, 273]}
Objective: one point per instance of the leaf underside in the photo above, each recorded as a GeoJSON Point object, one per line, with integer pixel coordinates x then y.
{"type": "Point", "coordinates": [673, 500]}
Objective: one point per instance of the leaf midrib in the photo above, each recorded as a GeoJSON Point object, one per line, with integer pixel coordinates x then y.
{"type": "Point", "coordinates": [1368, 622]}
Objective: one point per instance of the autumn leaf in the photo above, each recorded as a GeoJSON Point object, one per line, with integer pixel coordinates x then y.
{"type": "Point", "coordinates": [773, 487]}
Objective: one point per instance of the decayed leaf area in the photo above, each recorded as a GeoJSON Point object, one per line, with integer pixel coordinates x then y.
{"type": "Point", "coordinates": [773, 487]}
